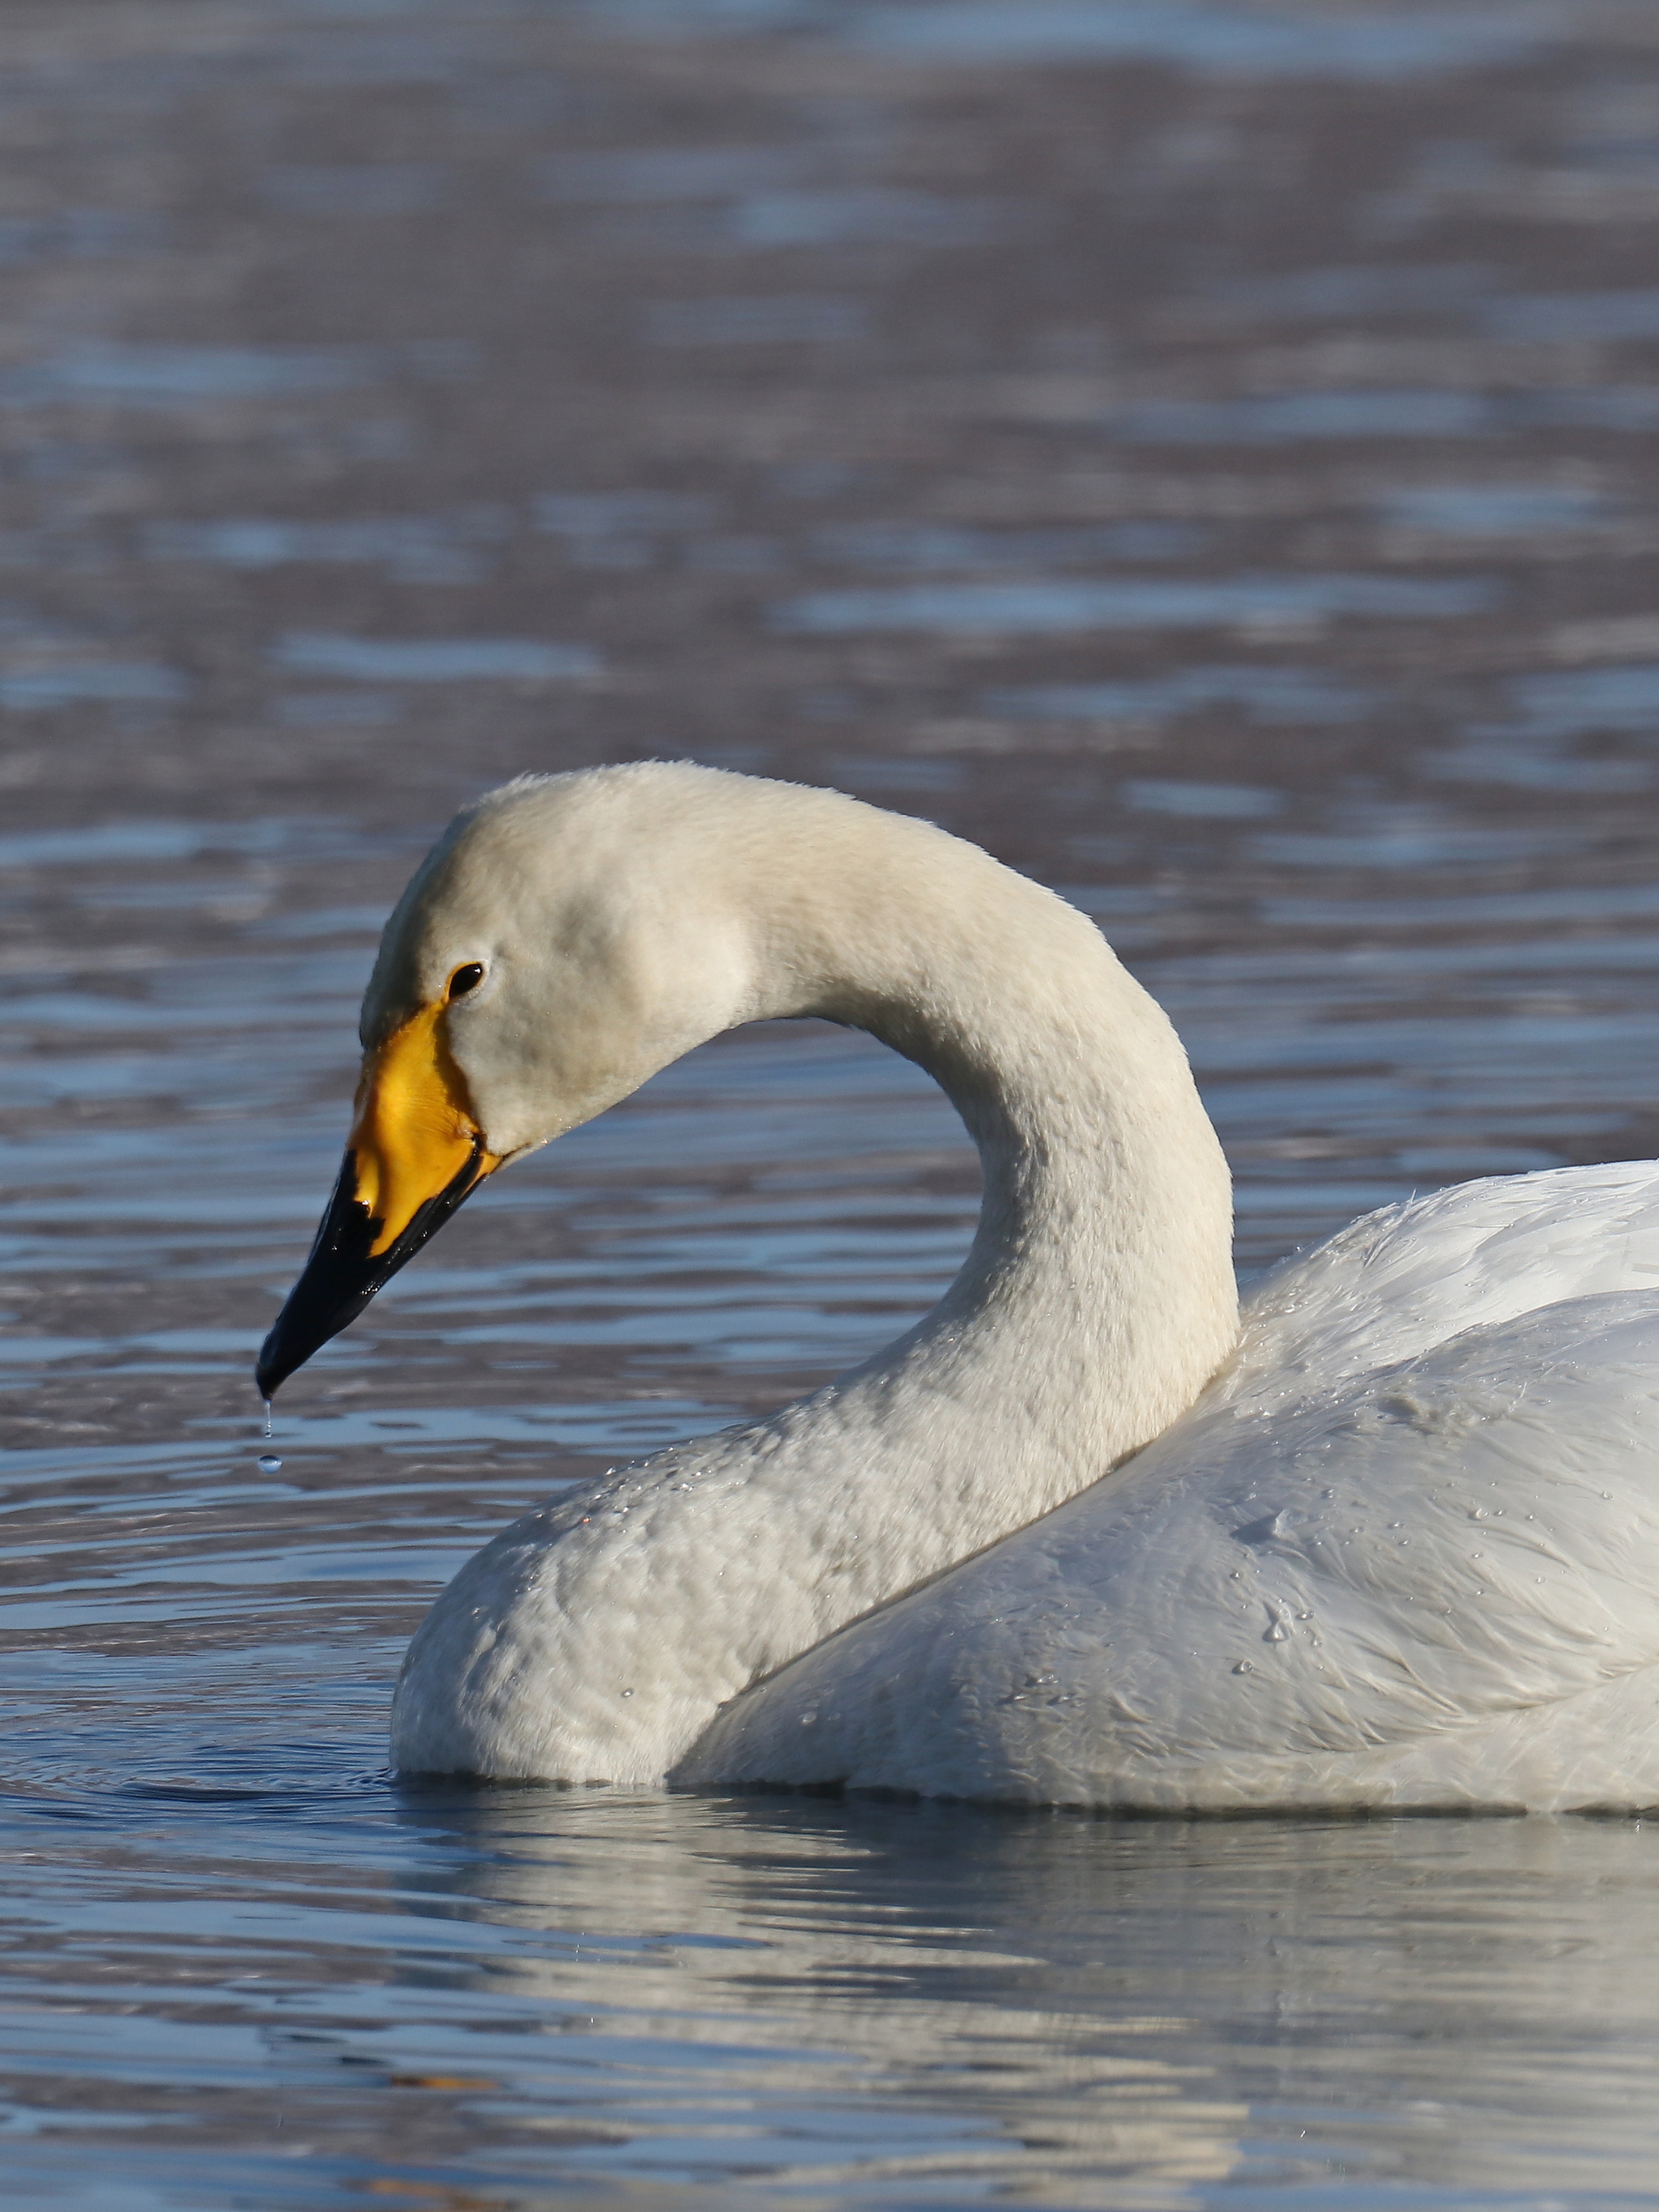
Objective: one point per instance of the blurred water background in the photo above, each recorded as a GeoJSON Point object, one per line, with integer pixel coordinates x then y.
{"type": "Point", "coordinates": [1205, 452]}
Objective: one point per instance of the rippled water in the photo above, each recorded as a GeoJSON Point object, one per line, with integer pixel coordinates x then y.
{"type": "Point", "coordinates": [1202, 452]}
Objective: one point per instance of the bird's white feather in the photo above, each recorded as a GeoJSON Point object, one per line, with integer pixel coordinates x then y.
{"type": "Point", "coordinates": [1403, 1549]}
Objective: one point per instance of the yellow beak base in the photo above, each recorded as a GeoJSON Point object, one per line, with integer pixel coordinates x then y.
{"type": "Point", "coordinates": [413, 1131]}
{"type": "Point", "coordinates": [415, 1151]}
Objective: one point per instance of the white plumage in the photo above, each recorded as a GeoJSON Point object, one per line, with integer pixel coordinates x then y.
{"type": "Point", "coordinates": [1402, 1553]}
{"type": "Point", "coordinates": [1403, 1549]}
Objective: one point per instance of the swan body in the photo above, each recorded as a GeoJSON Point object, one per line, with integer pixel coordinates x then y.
{"type": "Point", "coordinates": [1072, 1539]}
{"type": "Point", "coordinates": [1404, 1553]}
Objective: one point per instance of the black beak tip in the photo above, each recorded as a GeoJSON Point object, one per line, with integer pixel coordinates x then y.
{"type": "Point", "coordinates": [343, 1274]}
{"type": "Point", "coordinates": [271, 1371]}
{"type": "Point", "coordinates": [299, 1329]}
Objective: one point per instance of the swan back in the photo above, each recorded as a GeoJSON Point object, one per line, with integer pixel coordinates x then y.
{"type": "Point", "coordinates": [1396, 1283]}
{"type": "Point", "coordinates": [1401, 1553]}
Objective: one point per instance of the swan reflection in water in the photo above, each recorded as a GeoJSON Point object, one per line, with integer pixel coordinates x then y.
{"type": "Point", "coordinates": [825, 1993]}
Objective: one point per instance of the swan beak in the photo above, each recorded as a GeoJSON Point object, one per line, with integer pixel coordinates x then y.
{"type": "Point", "coordinates": [415, 1152]}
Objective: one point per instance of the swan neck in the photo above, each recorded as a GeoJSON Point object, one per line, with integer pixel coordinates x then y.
{"type": "Point", "coordinates": [1102, 1258]}
{"type": "Point", "coordinates": [1095, 1301]}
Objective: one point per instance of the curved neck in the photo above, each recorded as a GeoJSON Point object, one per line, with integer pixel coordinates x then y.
{"type": "Point", "coordinates": [1101, 1263]}
{"type": "Point", "coordinates": [1097, 1300]}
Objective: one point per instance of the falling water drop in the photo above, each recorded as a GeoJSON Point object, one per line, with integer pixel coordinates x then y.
{"type": "Point", "coordinates": [269, 1463]}
{"type": "Point", "coordinates": [267, 1417]}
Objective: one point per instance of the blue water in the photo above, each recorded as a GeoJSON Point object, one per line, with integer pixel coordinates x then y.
{"type": "Point", "coordinates": [1134, 603]}
{"type": "Point", "coordinates": [390, 188]}
{"type": "Point", "coordinates": [153, 376]}
{"type": "Point", "coordinates": [1401, 413]}
{"type": "Point", "coordinates": [763, 318]}
{"type": "Point", "coordinates": [432, 660]}
{"type": "Point", "coordinates": [1273, 696]}
{"type": "Point", "coordinates": [453, 549]}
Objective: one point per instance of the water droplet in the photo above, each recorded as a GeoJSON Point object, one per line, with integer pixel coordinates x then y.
{"type": "Point", "coordinates": [267, 1417]}
{"type": "Point", "coordinates": [1396, 1524]}
{"type": "Point", "coordinates": [1477, 1512]}
{"type": "Point", "coordinates": [1327, 1494]}
{"type": "Point", "coordinates": [269, 1463]}
{"type": "Point", "coordinates": [1305, 1616]}
{"type": "Point", "coordinates": [1277, 1633]}
{"type": "Point", "coordinates": [809, 1720]}
{"type": "Point", "coordinates": [628, 1693]}
{"type": "Point", "coordinates": [1243, 1668]}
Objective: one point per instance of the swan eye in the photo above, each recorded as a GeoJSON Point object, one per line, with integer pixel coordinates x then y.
{"type": "Point", "coordinates": [466, 979]}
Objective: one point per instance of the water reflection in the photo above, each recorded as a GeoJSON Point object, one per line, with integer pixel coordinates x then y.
{"type": "Point", "coordinates": [1344, 294]}
{"type": "Point", "coordinates": [33, 690]}
{"type": "Point", "coordinates": [1629, 314]}
{"type": "Point", "coordinates": [1437, 413]}
{"type": "Point", "coordinates": [433, 660]}
{"type": "Point", "coordinates": [178, 376]}
{"type": "Point", "coordinates": [735, 1999]}
{"type": "Point", "coordinates": [409, 548]}
{"type": "Point", "coordinates": [1132, 603]}
{"type": "Point", "coordinates": [651, 174]}
{"type": "Point", "coordinates": [870, 214]}
{"type": "Point", "coordinates": [764, 319]}
{"type": "Point", "coordinates": [940, 549]}
{"type": "Point", "coordinates": [1493, 510]}
{"type": "Point", "coordinates": [1215, 802]}
{"type": "Point", "coordinates": [79, 233]}
{"type": "Point", "coordinates": [1275, 695]}
{"type": "Point", "coordinates": [1221, 40]}
{"type": "Point", "coordinates": [390, 188]}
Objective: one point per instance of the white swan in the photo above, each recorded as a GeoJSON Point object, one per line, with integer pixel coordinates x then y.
{"type": "Point", "coordinates": [1403, 1550]}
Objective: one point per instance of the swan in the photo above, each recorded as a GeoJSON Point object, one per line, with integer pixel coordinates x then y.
{"type": "Point", "coordinates": [1081, 1536]}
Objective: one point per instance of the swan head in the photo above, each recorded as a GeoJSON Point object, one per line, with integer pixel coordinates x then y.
{"type": "Point", "coordinates": [566, 938]}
